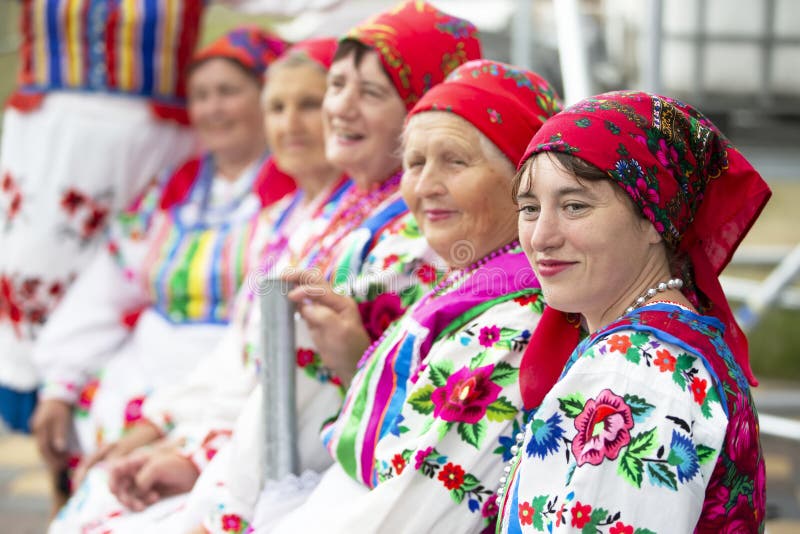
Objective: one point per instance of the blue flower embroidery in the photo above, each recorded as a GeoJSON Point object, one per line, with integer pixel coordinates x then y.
{"type": "Point", "coordinates": [683, 456]}
{"type": "Point", "coordinates": [545, 436]}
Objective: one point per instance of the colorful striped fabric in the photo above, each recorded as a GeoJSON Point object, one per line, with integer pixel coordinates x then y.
{"type": "Point", "coordinates": [137, 47]}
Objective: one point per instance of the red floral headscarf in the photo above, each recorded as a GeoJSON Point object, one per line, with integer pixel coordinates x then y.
{"type": "Point", "coordinates": [320, 50]}
{"type": "Point", "coordinates": [418, 45]}
{"type": "Point", "coordinates": [253, 47]}
{"type": "Point", "coordinates": [507, 104]}
{"type": "Point", "coordinates": [699, 192]}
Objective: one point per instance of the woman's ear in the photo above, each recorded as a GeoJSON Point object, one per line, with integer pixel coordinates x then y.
{"type": "Point", "coordinates": [651, 234]}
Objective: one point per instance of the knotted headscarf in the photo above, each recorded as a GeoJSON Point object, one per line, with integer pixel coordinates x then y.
{"type": "Point", "coordinates": [507, 104]}
{"type": "Point", "coordinates": [319, 50]}
{"type": "Point", "coordinates": [418, 45]}
{"type": "Point", "coordinates": [253, 47]}
{"type": "Point", "coordinates": [687, 179]}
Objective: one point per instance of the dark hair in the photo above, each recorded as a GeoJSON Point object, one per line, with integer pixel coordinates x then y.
{"type": "Point", "coordinates": [194, 65]}
{"type": "Point", "coordinates": [358, 50]}
{"type": "Point", "coordinates": [583, 170]}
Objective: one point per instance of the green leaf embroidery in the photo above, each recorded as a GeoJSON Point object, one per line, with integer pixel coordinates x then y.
{"type": "Point", "coordinates": [630, 468]}
{"type": "Point", "coordinates": [470, 482]}
{"type": "Point", "coordinates": [501, 410]}
{"type": "Point", "coordinates": [598, 514]}
{"type": "Point", "coordinates": [640, 408]}
{"type": "Point", "coordinates": [440, 372]}
{"type": "Point", "coordinates": [444, 428]}
{"type": "Point", "coordinates": [643, 444]}
{"type": "Point", "coordinates": [410, 295]}
{"type": "Point", "coordinates": [539, 503]}
{"type": "Point", "coordinates": [504, 374]}
{"type": "Point", "coordinates": [705, 408]}
{"type": "Point", "coordinates": [639, 338]}
{"type": "Point", "coordinates": [457, 494]}
{"type": "Point", "coordinates": [583, 122]}
{"type": "Point", "coordinates": [660, 475]}
{"type": "Point", "coordinates": [572, 404]}
{"type": "Point", "coordinates": [420, 400]}
{"type": "Point", "coordinates": [472, 434]}
{"type": "Point", "coordinates": [704, 453]}
{"type": "Point", "coordinates": [633, 355]}
{"type": "Point", "coordinates": [402, 429]}
{"type": "Point", "coordinates": [684, 362]}
{"type": "Point", "coordinates": [643, 531]}
{"type": "Point", "coordinates": [677, 377]}
{"type": "Point", "coordinates": [477, 360]}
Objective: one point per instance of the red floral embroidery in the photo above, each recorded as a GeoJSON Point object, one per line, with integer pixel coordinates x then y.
{"type": "Point", "coordinates": [466, 395]}
{"type": "Point", "coordinates": [665, 361]}
{"type": "Point", "coordinates": [524, 300]}
{"type": "Point", "coordinates": [699, 389]}
{"type": "Point", "coordinates": [305, 357]}
{"type": "Point", "coordinates": [133, 411]}
{"type": "Point", "coordinates": [452, 476]}
{"type": "Point", "coordinates": [489, 335]}
{"type": "Point", "coordinates": [28, 301]}
{"type": "Point", "coordinates": [620, 528]}
{"type": "Point", "coordinates": [581, 514]}
{"type": "Point", "coordinates": [72, 200]}
{"type": "Point", "coordinates": [87, 395]}
{"type": "Point", "coordinates": [427, 273]}
{"type": "Point", "coordinates": [603, 429]}
{"type": "Point", "coordinates": [390, 260]}
{"type": "Point", "coordinates": [399, 463]}
{"type": "Point", "coordinates": [379, 313]}
{"type": "Point", "coordinates": [526, 514]}
{"type": "Point", "coordinates": [14, 196]}
{"type": "Point", "coordinates": [231, 523]}
{"type": "Point", "coordinates": [619, 343]}
{"type": "Point", "coordinates": [86, 215]}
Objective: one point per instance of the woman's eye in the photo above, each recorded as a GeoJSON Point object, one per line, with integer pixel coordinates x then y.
{"type": "Point", "coordinates": [528, 211]}
{"type": "Point", "coordinates": [575, 207]}
{"type": "Point", "coordinates": [414, 163]}
{"type": "Point", "coordinates": [276, 108]}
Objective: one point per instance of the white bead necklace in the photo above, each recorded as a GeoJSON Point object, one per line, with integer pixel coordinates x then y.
{"type": "Point", "coordinates": [672, 283]}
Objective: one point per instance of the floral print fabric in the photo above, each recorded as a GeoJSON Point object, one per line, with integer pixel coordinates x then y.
{"type": "Point", "coordinates": [642, 424]}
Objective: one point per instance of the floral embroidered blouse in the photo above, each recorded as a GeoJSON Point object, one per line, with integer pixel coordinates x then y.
{"type": "Point", "coordinates": [426, 428]}
{"type": "Point", "coordinates": [651, 428]}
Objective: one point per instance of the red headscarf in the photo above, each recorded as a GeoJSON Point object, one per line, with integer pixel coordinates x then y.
{"type": "Point", "coordinates": [253, 47]}
{"type": "Point", "coordinates": [507, 104]}
{"type": "Point", "coordinates": [699, 192]}
{"type": "Point", "coordinates": [320, 50]}
{"type": "Point", "coordinates": [418, 45]}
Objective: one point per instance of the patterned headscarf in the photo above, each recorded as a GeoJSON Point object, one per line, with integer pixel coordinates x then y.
{"type": "Point", "coordinates": [418, 45]}
{"type": "Point", "coordinates": [320, 50]}
{"type": "Point", "coordinates": [699, 192]}
{"type": "Point", "coordinates": [507, 104]}
{"type": "Point", "coordinates": [253, 47]}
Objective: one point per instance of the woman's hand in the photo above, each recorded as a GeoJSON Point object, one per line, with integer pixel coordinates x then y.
{"type": "Point", "coordinates": [334, 323]}
{"type": "Point", "coordinates": [143, 433]}
{"type": "Point", "coordinates": [51, 424]}
{"type": "Point", "coordinates": [146, 476]}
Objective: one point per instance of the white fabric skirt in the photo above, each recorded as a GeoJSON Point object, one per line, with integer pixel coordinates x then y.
{"type": "Point", "coordinates": [64, 169]}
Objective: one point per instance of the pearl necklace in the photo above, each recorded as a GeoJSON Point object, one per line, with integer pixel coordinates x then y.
{"type": "Point", "coordinates": [449, 282]}
{"type": "Point", "coordinates": [672, 283]}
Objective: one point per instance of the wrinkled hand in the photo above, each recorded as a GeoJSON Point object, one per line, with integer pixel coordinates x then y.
{"type": "Point", "coordinates": [51, 423]}
{"type": "Point", "coordinates": [334, 324]}
{"type": "Point", "coordinates": [143, 433]}
{"type": "Point", "coordinates": [146, 476]}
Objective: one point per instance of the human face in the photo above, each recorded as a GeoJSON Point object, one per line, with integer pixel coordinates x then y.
{"type": "Point", "coordinates": [225, 109]}
{"type": "Point", "coordinates": [591, 251]}
{"type": "Point", "coordinates": [363, 117]}
{"type": "Point", "coordinates": [459, 194]}
{"type": "Point", "coordinates": [293, 119]}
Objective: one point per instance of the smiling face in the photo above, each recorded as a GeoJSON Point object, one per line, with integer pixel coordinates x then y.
{"type": "Point", "coordinates": [293, 118]}
{"type": "Point", "coordinates": [363, 117]}
{"type": "Point", "coordinates": [225, 109]}
{"type": "Point", "coordinates": [458, 186]}
{"type": "Point", "coordinates": [592, 252]}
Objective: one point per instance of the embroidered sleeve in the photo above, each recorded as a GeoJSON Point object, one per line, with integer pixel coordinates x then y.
{"type": "Point", "coordinates": [626, 441]}
{"type": "Point", "coordinates": [444, 455]}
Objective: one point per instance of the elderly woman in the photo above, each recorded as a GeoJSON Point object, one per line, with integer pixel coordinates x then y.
{"type": "Point", "coordinates": [363, 111]}
{"type": "Point", "coordinates": [651, 426]}
{"type": "Point", "coordinates": [426, 421]}
{"type": "Point", "coordinates": [292, 98]}
{"type": "Point", "coordinates": [137, 317]}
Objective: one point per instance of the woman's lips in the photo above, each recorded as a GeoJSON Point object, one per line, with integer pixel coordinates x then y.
{"type": "Point", "coordinates": [438, 215]}
{"type": "Point", "coordinates": [552, 267]}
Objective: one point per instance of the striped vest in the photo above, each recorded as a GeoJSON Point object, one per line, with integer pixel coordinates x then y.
{"type": "Point", "coordinates": [134, 47]}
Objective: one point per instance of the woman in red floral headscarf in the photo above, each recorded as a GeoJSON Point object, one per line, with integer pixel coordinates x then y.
{"type": "Point", "coordinates": [434, 404]}
{"type": "Point", "coordinates": [163, 290]}
{"type": "Point", "coordinates": [630, 206]}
